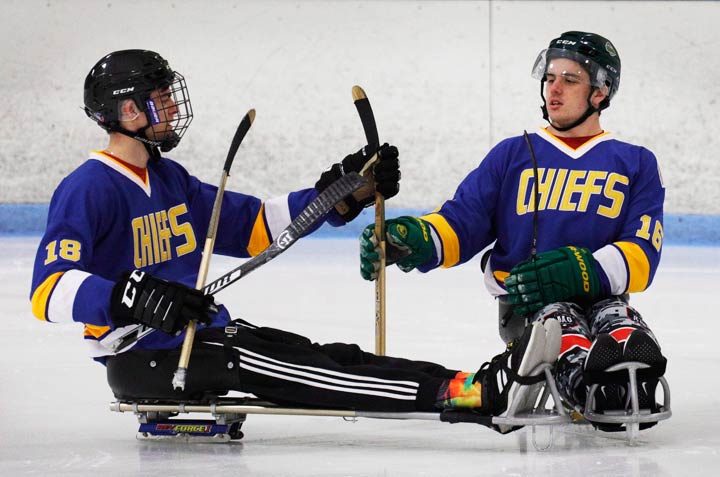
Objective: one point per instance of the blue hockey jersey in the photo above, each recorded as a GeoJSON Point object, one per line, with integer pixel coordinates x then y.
{"type": "Point", "coordinates": [605, 195]}
{"type": "Point", "coordinates": [104, 219]}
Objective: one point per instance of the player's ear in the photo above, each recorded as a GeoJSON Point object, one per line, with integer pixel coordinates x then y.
{"type": "Point", "coordinates": [597, 96]}
{"type": "Point", "coordinates": [128, 110]}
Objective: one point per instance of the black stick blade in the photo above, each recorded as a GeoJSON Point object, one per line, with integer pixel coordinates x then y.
{"type": "Point", "coordinates": [367, 118]}
{"type": "Point", "coordinates": [240, 133]}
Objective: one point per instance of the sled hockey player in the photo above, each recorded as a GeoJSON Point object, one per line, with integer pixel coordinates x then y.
{"type": "Point", "coordinates": [122, 247]}
{"type": "Point", "coordinates": [576, 218]}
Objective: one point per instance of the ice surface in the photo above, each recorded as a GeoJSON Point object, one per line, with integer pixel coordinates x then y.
{"type": "Point", "coordinates": [55, 417]}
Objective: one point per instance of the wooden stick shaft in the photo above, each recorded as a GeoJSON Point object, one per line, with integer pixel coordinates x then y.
{"type": "Point", "coordinates": [178, 381]}
{"type": "Point", "coordinates": [371, 135]}
{"type": "Point", "coordinates": [380, 283]}
{"type": "Point", "coordinates": [184, 361]}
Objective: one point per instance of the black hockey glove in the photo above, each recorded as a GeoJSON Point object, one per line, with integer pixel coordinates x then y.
{"type": "Point", "coordinates": [383, 175]}
{"type": "Point", "coordinates": [139, 297]}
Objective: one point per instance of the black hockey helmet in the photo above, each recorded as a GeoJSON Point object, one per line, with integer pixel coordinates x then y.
{"type": "Point", "coordinates": [135, 74]}
{"type": "Point", "coordinates": [594, 53]}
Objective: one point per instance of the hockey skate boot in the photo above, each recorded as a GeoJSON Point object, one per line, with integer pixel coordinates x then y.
{"type": "Point", "coordinates": [511, 381]}
{"type": "Point", "coordinates": [622, 382]}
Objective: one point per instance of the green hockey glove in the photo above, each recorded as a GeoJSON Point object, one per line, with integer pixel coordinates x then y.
{"type": "Point", "coordinates": [563, 274]}
{"type": "Point", "coordinates": [408, 244]}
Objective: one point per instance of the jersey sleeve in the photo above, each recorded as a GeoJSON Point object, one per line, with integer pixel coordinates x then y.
{"type": "Point", "coordinates": [248, 225]}
{"type": "Point", "coordinates": [630, 262]}
{"type": "Point", "coordinates": [464, 226]}
{"type": "Point", "coordinates": [62, 289]}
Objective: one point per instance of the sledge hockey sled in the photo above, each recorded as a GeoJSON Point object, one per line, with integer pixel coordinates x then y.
{"type": "Point", "coordinates": [160, 419]}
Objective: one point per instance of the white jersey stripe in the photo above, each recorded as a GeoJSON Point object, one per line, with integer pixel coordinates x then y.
{"type": "Point", "coordinates": [63, 296]}
{"type": "Point", "coordinates": [613, 264]}
{"type": "Point", "coordinates": [277, 215]}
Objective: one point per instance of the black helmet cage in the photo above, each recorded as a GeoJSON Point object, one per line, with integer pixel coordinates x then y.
{"type": "Point", "coordinates": [135, 74]}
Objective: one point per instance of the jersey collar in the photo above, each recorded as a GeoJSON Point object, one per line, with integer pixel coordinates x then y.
{"type": "Point", "coordinates": [574, 153]}
{"type": "Point", "coordinates": [122, 169]}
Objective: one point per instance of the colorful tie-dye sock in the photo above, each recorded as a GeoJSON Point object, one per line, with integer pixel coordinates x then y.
{"type": "Point", "coordinates": [459, 392]}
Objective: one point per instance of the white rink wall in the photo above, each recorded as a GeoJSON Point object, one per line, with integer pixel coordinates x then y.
{"type": "Point", "coordinates": [447, 79]}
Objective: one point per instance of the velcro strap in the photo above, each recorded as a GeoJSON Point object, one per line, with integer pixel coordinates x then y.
{"type": "Point", "coordinates": [513, 376]}
{"type": "Point", "coordinates": [453, 416]}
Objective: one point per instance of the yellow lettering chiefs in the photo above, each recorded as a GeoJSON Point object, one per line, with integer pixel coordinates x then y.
{"type": "Point", "coordinates": [152, 234]}
{"type": "Point", "coordinates": [571, 190]}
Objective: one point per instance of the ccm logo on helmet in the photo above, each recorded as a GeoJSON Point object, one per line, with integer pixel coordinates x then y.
{"type": "Point", "coordinates": [124, 90]}
{"type": "Point", "coordinates": [565, 42]}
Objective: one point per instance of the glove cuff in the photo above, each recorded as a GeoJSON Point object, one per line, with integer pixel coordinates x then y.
{"type": "Point", "coordinates": [588, 281]}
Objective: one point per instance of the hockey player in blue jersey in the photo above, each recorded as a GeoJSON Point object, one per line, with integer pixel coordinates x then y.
{"type": "Point", "coordinates": [575, 221]}
{"type": "Point", "coordinates": [123, 246]}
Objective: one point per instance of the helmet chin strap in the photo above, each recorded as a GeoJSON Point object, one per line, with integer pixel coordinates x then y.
{"type": "Point", "coordinates": [153, 148]}
{"type": "Point", "coordinates": [588, 112]}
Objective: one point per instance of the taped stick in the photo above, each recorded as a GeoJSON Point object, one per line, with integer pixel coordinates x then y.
{"type": "Point", "coordinates": [178, 381]}
{"type": "Point", "coordinates": [367, 118]}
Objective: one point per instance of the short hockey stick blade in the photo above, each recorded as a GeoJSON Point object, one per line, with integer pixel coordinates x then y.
{"type": "Point", "coordinates": [367, 118]}
{"type": "Point", "coordinates": [314, 211]}
{"type": "Point", "coordinates": [240, 133]}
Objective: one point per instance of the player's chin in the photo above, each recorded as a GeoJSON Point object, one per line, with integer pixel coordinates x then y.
{"type": "Point", "coordinates": [560, 121]}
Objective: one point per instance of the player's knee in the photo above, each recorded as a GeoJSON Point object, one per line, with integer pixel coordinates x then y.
{"type": "Point", "coordinates": [569, 315]}
{"type": "Point", "coordinates": [614, 313]}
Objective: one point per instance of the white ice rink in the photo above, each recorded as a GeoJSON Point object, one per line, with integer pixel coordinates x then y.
{"type": "Point", "coordinates": [54, 416]}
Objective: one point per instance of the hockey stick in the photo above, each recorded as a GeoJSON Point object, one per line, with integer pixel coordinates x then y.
{"type": "Point", "coordinates": [362, 104]}
{"type": "Point", "coordinates": [312, 213]}
{"type": "Point", "coordinates": [178, 381]}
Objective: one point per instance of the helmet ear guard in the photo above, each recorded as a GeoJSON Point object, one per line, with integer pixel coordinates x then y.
{"type": "Point", "coordinates": [135, 75]}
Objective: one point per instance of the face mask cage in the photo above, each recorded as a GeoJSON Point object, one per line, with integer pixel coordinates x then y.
{"type": "Point", "coordinates": [169, 114]}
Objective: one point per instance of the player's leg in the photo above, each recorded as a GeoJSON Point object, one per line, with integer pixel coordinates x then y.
{"type": "Point", "coordinates": [289, 369]}
{"type": "Point", "coordinates": [575, 343]}
{"type": "Point", "coordinates": [509, 383]}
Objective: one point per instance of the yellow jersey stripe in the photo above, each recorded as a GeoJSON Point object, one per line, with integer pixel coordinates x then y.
{"type": "Point", "coordinates": [448, 237]}
{"type": "Point", "coordinates": [259, 239]}
{"type": "Point", "coordinates": [500, 276]}
{"type": "Point", "coordinates": [94, 331]}
{"type": "Point", "coordinates": [638, 266]}
{"type": "Point", "coordinates": [41, 296]}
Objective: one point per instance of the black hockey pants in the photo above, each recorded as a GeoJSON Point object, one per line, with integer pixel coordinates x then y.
{"type": "Point", "coordinates": [281, 367]}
